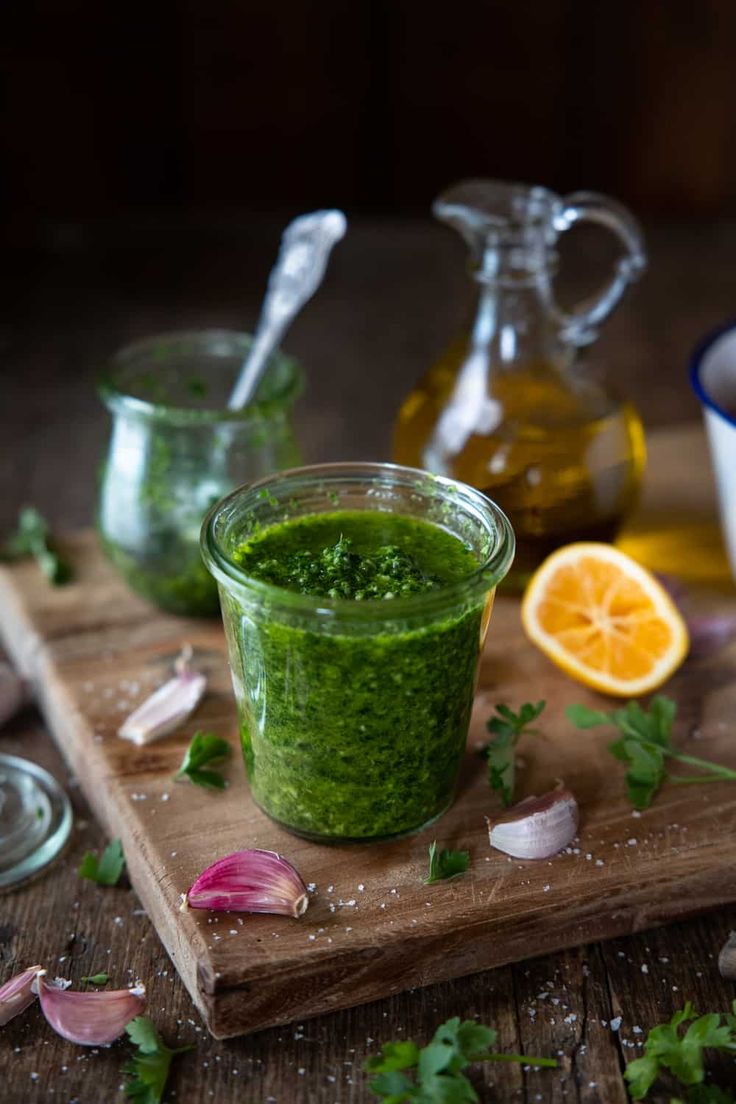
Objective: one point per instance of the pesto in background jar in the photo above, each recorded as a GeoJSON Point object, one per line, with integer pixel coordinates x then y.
{"type": "Point", "coordinates": [175, 449]}
{"type": "Point", "coordinates": [354, 710]}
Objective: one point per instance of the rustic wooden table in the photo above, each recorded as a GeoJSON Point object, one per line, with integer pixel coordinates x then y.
{"type": "Point", "coordinates": [394, 295]}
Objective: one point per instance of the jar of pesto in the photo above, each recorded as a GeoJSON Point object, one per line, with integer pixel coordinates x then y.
{"type": "Point", "coordinates": [175, 449]}
{"type": "Point", "coordinates": [356, 599]}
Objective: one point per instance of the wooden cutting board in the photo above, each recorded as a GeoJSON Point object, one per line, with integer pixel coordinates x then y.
{"type": "Point", "coordinates": [93, 651]}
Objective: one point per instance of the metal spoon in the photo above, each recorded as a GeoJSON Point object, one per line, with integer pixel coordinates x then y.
{"type": "Point", "coordinates": [298, 272]}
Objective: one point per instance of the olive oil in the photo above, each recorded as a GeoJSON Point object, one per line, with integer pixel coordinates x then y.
{"type": "Point", "coordinates": [509, 408]}
{"type": "Point", "coordinates": [565, 462]}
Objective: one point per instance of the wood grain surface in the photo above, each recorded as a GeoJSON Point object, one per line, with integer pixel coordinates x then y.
{"type": "Point", "coordinates": [93, 651]}
{"type": "Point", "coordinates": [395, 293]}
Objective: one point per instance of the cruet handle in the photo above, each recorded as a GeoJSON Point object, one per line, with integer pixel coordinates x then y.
{"type": "Point", "coordinates": [580, 326]}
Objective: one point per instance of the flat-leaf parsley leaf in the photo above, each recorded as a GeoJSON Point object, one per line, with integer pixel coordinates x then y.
{"type": "Point", "coordinates": [506, 727]}
{"type": "Point", "coordinates": [106, 869]}
{"type": "Point", "coordinates": [446, 864]}
{"type": "Point", "coordinates": [433, 1074]}
{"type": "Point", "coordinates": [32, 538]}
{"type": "Point", "coordinates": [95, 979]}
{"type": "Point", "coordinates": [682, 1054]}
{"type": "Point", "coordinates": [149, 1068]}
{"type": "Point", "coordinates": [204, 748]}
{"type": "Point", "coordinates": [644, 744]}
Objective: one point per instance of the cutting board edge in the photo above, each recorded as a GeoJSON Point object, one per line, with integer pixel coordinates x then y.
{"type": "Point", "coordinates": [605, 926]}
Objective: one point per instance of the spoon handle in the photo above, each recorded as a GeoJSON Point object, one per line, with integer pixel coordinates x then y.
{"type": "Point", "coordinates": [298, 272]}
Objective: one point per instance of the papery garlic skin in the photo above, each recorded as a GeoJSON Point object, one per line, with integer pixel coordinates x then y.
{"type": "Point", "coordinates": [168, 707]}
{"type": "Point", "coordinates": [89, 1018]}
{"type": "Point", "coordinates": [537, 827]}
{"type": "Point", "coordinates": [17, 993]}
{"type": "Point", "coordinates": [250, 881]}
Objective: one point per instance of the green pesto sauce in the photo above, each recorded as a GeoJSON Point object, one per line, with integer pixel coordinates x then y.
{"type": "Point", "coordinates": [355, 734]}
{"type": "Point", "coordinates": [173, 577]}
{"type": "Point", "coordinates": [357, 555]}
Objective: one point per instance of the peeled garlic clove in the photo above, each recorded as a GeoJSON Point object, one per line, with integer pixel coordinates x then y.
{"type": "Point", "coordinates": [537, 827]}
{"type": "Point", "coordinates": [250, 881]}
{"type": "Point", "coordinates": [88, 1018]}
{"type": "Point", "coordinates": [168, 707]}
{"type": "Point", "coordinates": [16, 994]}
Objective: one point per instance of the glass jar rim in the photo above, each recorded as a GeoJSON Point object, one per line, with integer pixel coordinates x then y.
{"type": "Point", "coordinates": [118, 400]}
{"type": "Point", "coordinates": [488, 573]}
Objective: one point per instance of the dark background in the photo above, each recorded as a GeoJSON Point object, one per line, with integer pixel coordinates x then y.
{"type": "Point", "coordinates": [151, 153]}
{"type": "Point", "coordinates": [371, 105]}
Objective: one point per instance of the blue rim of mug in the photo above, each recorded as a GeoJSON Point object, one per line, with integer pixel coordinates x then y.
{"type": "Point", "coordinates": [696, 363]}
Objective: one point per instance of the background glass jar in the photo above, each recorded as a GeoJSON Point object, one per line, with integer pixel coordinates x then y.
{"type": "Point", "coordinates": [354, 715]}
{"type": "Point", "coordinates": [175, 449]}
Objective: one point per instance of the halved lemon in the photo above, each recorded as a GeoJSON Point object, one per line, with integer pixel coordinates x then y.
{"type": "Point", "coordinates": [604, 619]}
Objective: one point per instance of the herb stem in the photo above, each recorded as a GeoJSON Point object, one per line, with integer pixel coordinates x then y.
{"type": "Point", "coordinates": [704, 764]}
{"type": "Point", "coordinates": [524, 1059]}
{"type": "Point", "coordinates": [692, 779]}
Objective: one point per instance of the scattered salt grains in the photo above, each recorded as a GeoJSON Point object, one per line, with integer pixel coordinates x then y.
{"type": "Point", "coordinates": [636, 1029]}
{"type": "Point", "coordinates": [631, 842]}
{"type": "Point", "coordinates": [118, 920]}
{"type": "Point", "coordinates": [546, 889]}
{"type": "Point", "coordinates": [599, 862]}
{"type": "Point", "coordinates": [311, 886]}
{"type": "Point", "coordinates": [644, 968]}
{"type": "Point", "coordinates": [165, 796]}
{"type": "Point", "coordinates": [361, 888]}
{"type": "Point", "coordinates": [616, 1023]}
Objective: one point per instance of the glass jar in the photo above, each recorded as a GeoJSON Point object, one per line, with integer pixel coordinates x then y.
{"type": "Point", "coordinates": [354, 715]}
{"type": "Point", "coordinates": [175, 449]}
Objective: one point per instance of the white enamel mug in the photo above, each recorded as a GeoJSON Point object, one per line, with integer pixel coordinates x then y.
{"type": "Point", "coordinates": [713, 376]}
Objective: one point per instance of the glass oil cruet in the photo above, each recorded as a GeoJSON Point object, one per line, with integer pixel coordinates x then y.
{"type": "Point", "coordinates": [508, 408]}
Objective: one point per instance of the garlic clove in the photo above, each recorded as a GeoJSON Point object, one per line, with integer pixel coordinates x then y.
{"type": "Point", "coordinates": [250, 881]}
{"type": "Point", "coordinates": [17, 993]}
{"type": "Point", "coordinates": [169, 706]}
{"type": "Point", "coordinates": [89, 1018]}
{"type": "Point", "coordinates": [708, 634]}
{"type": "Point", "coordinates": [537, 827]}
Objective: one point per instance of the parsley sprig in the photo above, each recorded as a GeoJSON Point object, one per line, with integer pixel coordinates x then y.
{"type": "Point", "coordinates": [433, 1074]}
{"type": "Point", "coordinates": [644, 744]}
{"type": "Point", "coordinates": [204, 748]}
{"type": "Point", "coordinates": [506, 728]}
{"type": "Point", "coordinates": [445, 864]}
{"type": "Point", "coordinates": [149, 1068]}
{"type": "Point", "coordinates": [32, 538]}
{"type": "Point", "coordinates": [682, 1054]}
{"type": "Point", "coordinates": [106, 869]}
